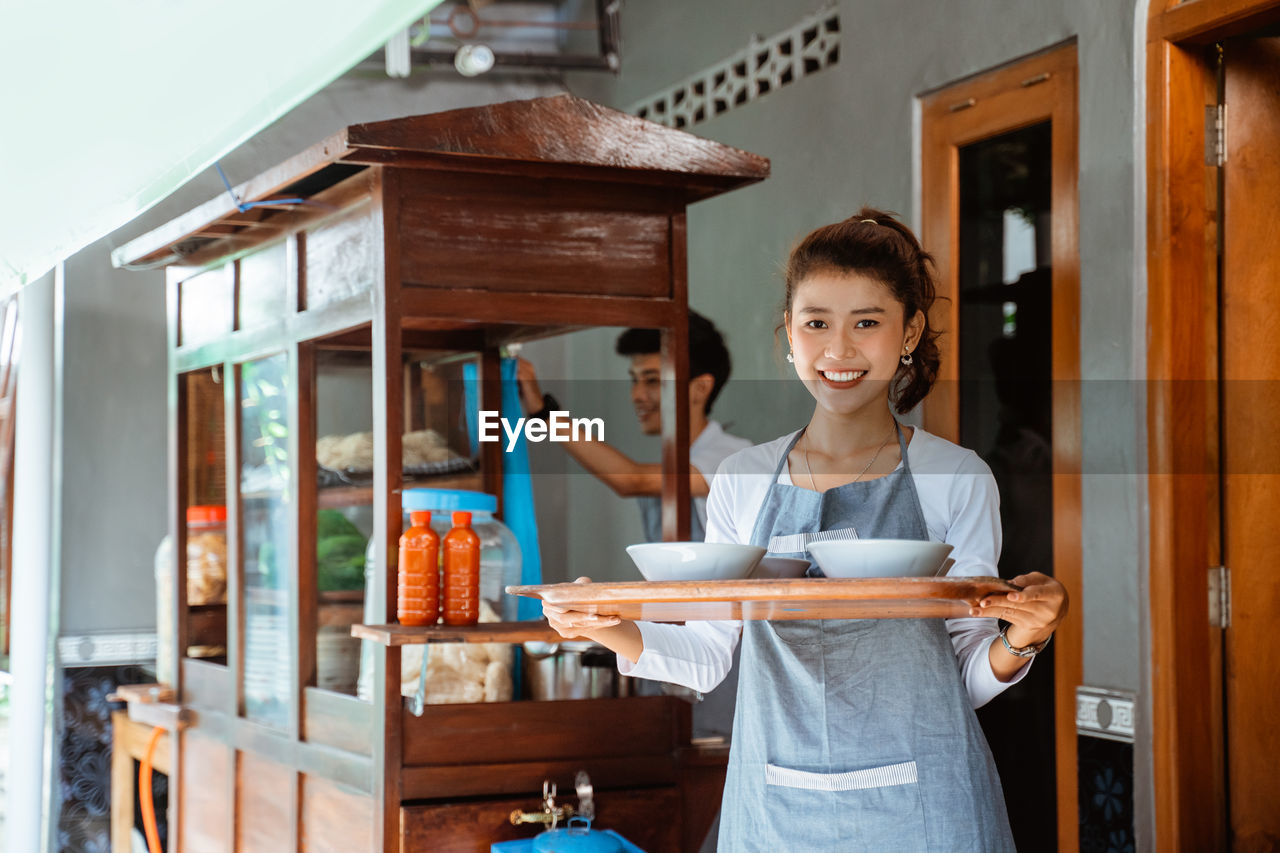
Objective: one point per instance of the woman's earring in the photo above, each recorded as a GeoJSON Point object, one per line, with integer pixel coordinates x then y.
{"type": "Point", "coordinates": [906, 358]}
{"type": "Point", "coordinates": [791, 358]}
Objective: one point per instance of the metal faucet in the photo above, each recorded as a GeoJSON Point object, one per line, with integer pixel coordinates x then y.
{"type": "Point", "coordinates": [550, 814]}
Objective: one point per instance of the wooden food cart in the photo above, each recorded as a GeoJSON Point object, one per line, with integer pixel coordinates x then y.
{"type": "Point", "coordinates": [457, 232]}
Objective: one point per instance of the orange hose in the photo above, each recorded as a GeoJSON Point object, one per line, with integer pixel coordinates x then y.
{"type": "Point", "coordinates": [144, 793]}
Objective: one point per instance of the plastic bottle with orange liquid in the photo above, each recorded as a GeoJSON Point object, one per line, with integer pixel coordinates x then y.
{"type": "Point", "coordinates": [418, 592]}
{"type": "Point", "coordinates": [461, 572]}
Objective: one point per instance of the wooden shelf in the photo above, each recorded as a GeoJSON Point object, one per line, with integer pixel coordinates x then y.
{"type": "Point", "coordinates": [154, 705]}
{"type": "Point", "coordinates": [207, 624]}
{"type": "Point", "coordinates": [485, 632]}
{"type": "Point", "coordinates": [337, 497]}
{"type": "Point", "coordinates": [343, 496]}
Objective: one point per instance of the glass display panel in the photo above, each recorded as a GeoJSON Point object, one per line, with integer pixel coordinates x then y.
{"type": "Point", "coordinates": [267, 538]}
{"type": "Point", "coordinates": [344, 523]}
{"type": "Point", "coordinates": [435, 454]}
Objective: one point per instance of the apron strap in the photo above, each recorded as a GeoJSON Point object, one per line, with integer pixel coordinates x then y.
{"type": "Point", "coordinates": [777, 472]}
{"type": "Point", "coordinates": [902, 445]}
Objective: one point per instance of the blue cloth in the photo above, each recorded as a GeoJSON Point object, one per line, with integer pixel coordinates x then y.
{"type": "Point", "coordinates": [525, 845]}
{"type": "Point", "coordinates": [517, 484]}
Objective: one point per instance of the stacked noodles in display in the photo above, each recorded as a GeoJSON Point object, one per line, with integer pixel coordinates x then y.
{"type": "Point", "coordinates": [355, 452]}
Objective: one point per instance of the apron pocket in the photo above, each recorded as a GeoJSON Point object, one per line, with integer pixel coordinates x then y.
{"type": "Point", "coordinates": [800, 632]}
{"type": "Point", "coordinates": [874, 809]}
{"type": "Point", "coordinates": [855, 780]}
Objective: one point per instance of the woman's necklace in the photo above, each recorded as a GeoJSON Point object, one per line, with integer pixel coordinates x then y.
{"type": "Point", "coordinates": [809, 470]}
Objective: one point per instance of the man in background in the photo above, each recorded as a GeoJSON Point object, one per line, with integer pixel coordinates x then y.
{"type": "Point", "coordinates": [709, 444]}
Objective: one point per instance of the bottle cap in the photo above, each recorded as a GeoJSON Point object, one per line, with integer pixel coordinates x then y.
{"type": "Point", "coordinates": [462, 519]}
{"type": "Point", "coordinates": [420, 518]}
{"type": "Point", "coordinates": [447, 500]}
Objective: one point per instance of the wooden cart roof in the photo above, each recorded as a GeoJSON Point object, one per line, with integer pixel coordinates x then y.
{"type": "Point", "coordinates": [557, 137]}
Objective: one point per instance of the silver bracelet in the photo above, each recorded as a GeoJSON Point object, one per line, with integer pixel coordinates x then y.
{"type": "Point", "coordinates": [1023, 651]}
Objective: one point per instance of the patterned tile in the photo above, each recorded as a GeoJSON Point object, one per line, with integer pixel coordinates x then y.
{"type": "Point", "coordinates": [84, 752]}
{"type": "Point", "coordinates": [1106, 795]}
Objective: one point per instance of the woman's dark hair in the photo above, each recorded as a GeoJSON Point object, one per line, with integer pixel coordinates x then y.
{"type": "Point", "coordinates": [887, 251]}
{"type": "Point", "coordinates": [707, 352]}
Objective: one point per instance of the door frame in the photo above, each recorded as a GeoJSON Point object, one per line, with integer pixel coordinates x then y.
{"type": "Point", "coordinates": [1182, 419]}
{"type": "Point", "coordinates": [1028, 91]}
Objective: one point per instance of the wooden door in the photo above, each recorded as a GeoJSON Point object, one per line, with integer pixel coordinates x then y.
{"type": "Point", "coordinates": [1250, 367]}
{"type": "Point", "coordinates": [999, 168]}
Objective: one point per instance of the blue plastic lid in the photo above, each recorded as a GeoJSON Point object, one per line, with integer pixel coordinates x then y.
{"type": "Point", "coordinates": [448, 500]}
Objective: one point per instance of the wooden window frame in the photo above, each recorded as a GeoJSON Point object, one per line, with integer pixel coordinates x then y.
{"type": "Point", "coordinates": [1187, 745]}
{"type": "Point", "coordinates": [1026, 92]}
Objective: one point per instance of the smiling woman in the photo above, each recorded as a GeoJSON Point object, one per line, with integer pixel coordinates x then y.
{"type": "Point", "coordinates": [858, 293]}
{"type": "Point", "coordinates": [847, 331]}
{"type": "Point", "coordinates": [892, 288]}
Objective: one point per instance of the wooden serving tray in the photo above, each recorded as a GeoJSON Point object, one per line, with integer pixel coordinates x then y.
{"type": "Point", "coordinates": [485, 632]}
{"type": "Point", "coordinates": [800, 598]}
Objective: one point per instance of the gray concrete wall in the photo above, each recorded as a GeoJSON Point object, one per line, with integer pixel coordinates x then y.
{"type": "Point", "coordinates": [114, 445]}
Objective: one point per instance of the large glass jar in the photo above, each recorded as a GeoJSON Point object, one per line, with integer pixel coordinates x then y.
{"type": "Point", "coordinates": [206, 555]}
{"type": "Point", "coordinates": [206, 582]}
{"type": "Point", "coordinates": [500, 564]}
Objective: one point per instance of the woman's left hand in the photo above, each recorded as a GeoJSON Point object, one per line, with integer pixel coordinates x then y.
{"type": "Point", "coordinates": [1033, 612]}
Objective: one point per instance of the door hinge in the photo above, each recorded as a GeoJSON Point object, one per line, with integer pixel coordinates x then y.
{"type": "Point", "coordinates": [1215, 135]}
{"type": "Point", "coordinates": [1220, 597]}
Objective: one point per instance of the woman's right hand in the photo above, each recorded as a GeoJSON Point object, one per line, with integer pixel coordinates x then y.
{"type": "Point", "coordinates": [572, 624]}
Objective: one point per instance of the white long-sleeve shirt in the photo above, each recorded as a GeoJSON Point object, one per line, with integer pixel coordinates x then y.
{"type": "Point", "coordinates": [961, 507]}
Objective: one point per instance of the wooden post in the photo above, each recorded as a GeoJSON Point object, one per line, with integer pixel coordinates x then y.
{"type": "Point", "coordinates": [676, 506]}
{"type": "Point", "coordinates": [388, 419]}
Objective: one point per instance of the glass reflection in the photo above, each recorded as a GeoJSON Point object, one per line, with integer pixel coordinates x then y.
{"type": "Point", "coordinates": [268, 550]}
{"type": "Point", "coordinates": [344, 520]}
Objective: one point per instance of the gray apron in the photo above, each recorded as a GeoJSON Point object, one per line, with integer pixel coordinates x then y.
{"type": "Point", "coordinates": [855, 734]}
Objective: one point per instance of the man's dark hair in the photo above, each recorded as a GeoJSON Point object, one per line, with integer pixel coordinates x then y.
{"type": "Point", "coordinates": [707, 352]}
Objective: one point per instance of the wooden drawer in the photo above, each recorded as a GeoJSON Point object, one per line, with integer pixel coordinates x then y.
{"type": "Point", "coordinates": [510, 747]}
{"type": "Point", "coordinates": [648, 817]}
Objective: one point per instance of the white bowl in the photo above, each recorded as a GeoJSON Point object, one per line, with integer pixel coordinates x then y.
{"type": "Point", "coordinates": [879, 558]}
{"type": "Point", "coordinates": [694, 561]}
{"type": "Point", "coordinates": [779, 568]}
